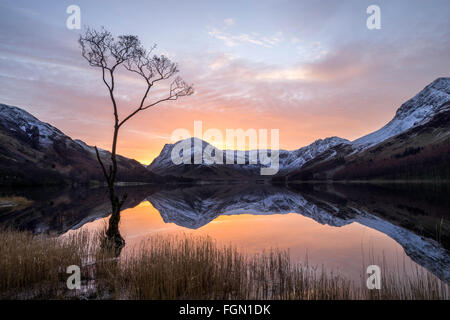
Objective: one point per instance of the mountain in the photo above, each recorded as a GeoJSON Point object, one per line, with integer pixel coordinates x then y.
{"type": "Point", "coordinates": [415, 144]}
{"type": "Point", "coordinates": [34, 153]}
{"type": "Point", "coordinates": [288, 160]}
{"type": "Point", "coordinates": [428, 103]}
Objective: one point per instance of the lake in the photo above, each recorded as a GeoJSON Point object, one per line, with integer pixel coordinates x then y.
{"type": "Point", "coordinates": [340, 227]}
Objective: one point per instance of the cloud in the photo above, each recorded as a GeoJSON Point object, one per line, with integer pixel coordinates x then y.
{"type": "Point", "coordinates": [221, 61]}
{"type": "Point", "coordinates": [229, 22]}
{"type": "Point", "coordinates": [294, 40]}
{"type": "Point", "coordinates": [233, 40]}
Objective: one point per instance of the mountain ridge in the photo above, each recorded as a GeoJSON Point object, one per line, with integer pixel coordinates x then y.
{"type": "Point", "coordinates": [428, 102]}
{"type": "Point", "coordinates": [33, 152]}
{"type": "Point", "coordinates": [287, 159]}
{"type": "Point", "coordinates": [325, 156]}
{"type": "Point", "coordinates": [417, 148]}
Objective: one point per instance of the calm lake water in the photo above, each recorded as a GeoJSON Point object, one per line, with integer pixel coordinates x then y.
{"type": "Point", "coordinates": [342, 227]}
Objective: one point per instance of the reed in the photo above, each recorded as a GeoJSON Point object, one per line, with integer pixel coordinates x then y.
{"type": "Point", "coordinates": [35, 266]}
{"type": "Point", "coordinates": [183, 267]}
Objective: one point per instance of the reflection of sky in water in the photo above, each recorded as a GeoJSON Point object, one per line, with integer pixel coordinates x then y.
{"type": "Point", "coordinates": [346, 248]}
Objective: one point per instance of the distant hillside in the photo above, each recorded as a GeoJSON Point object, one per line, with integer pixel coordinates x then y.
{"type": "Point", "coordinates": [415, 144]}
{"type": "Point", "coordinates": [35, 153]}
{"type": "Point", "coordinates": [241, 169]}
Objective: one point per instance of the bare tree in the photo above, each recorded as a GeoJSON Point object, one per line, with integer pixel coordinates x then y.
{"type": "Point", "coordinates": [102, 50]}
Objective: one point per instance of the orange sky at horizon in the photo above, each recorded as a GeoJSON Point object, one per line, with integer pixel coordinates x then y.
{"type": "Point", "coordinates": [143, 137]}
{"type": "Point", "coordinates": [137, 141]}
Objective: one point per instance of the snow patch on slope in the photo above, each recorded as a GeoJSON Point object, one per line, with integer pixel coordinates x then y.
{"type": "Point", "coordinates": [27, 123]}
{"type": "Point", "coordinates": [433, 99]}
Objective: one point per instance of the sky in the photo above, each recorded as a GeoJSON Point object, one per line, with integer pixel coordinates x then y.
{"type": "Point", "coordinates": [311, 69]}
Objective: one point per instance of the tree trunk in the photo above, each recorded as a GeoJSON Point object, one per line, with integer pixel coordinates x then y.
{"type": "Point", "coordinates": [113, 239]}
{"type": "Point", "coordinates": [113, 233]}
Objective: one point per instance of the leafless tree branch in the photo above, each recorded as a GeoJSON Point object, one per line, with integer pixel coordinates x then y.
{"type": "Point", "coordinates": [102, 50]}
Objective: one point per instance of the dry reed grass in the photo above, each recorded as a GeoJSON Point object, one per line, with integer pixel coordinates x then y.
{"type": "Point", "coordinates": [182, 267]}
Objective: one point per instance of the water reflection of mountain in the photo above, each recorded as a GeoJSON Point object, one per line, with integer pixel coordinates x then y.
{"type": "Point", "coordinates": [57, 210]}
{"type": "Point", "coordinates": [326, 204]}
{"type": "Point", "coordinates": [414, 216]}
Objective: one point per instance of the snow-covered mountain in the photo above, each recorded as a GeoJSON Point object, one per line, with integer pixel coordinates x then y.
{"type": "Point", "coordinates": [427, 105]}
{"type": "Point", "coordinates": [29, 144]}
{"type": "Point", "coordinates": [33, 152]}
{"type": "Point", "coordinates": [28, 124]}
{"type": "Point", "coordinates": [433, 99]}
{"type": "Point", "coordinates": [45, 134]}
{"type": "Point", "coordinates": [288, 160]}
{"type": "Point", "coordinates": [413, 145]}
